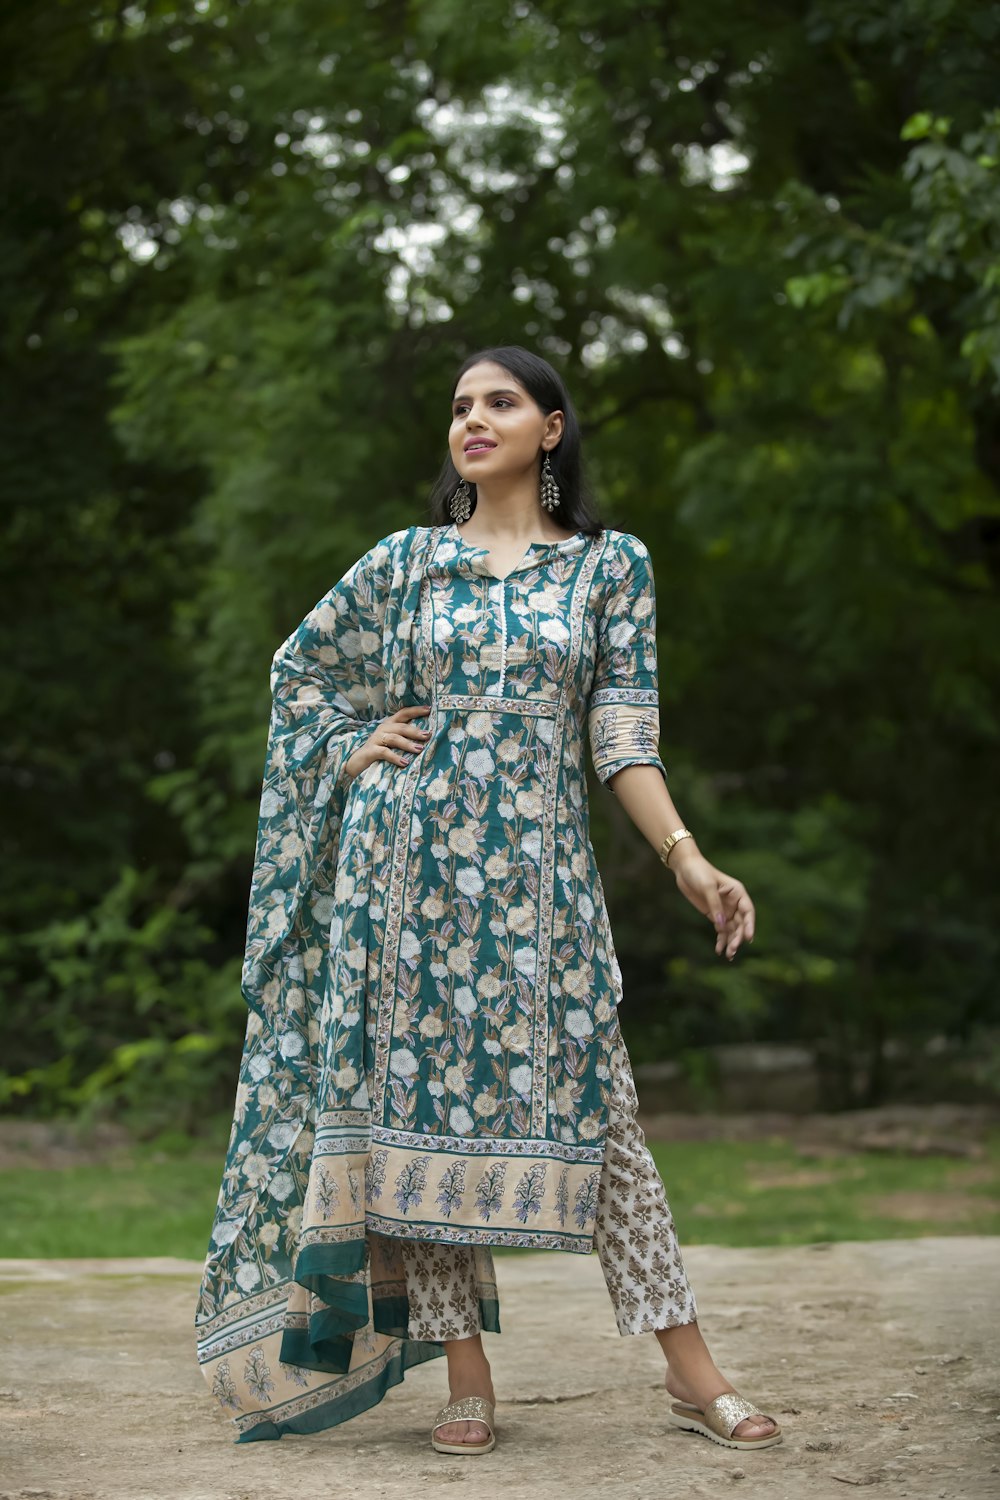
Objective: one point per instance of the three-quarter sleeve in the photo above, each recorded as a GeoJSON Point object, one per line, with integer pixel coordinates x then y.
{"type": "Point", "coordinates": [624, 706]}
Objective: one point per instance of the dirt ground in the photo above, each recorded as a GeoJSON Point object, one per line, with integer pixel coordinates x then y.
{"type": "Point", "coordinates": [880, 1360]}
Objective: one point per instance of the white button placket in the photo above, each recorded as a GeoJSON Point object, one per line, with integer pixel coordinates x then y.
{"type": "Point", "coordinates": [500, 596]}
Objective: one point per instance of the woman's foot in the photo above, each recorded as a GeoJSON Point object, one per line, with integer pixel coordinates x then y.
{"type": "Point", "coordinates": [468, 1375]}
{"type": "Point", "coordinates": [693, 1376]}
{"type": "Point", "coordinates": [746, 1431]}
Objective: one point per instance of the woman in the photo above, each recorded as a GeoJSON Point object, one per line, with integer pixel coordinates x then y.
{"type": "Point", "coordinates": [433, 1062]}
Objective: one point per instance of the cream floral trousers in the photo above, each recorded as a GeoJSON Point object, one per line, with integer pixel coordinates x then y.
{"type": "Point", "coordinates": [634, 1237]}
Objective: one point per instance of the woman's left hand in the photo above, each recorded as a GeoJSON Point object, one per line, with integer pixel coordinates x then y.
{"type": "Point", "coordinates": [719, 897]}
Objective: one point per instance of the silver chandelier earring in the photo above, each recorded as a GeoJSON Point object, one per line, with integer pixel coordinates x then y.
{"type": "Point", "coordinates": [550, 490]}
{"type": "Point", "coordinates": [460, 503]}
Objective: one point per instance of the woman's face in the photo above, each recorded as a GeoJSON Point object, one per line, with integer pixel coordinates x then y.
{"type": "Point", "coordinates": [497, 428]}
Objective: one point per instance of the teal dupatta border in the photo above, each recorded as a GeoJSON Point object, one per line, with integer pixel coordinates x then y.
{"type": "Point", "coordinates": [326, 1345]}
{"type": "Point", "coordinates": [342, 1408]}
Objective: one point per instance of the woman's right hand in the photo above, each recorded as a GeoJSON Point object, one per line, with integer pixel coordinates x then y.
{"type": "Point", "coordinates": [395, 738]}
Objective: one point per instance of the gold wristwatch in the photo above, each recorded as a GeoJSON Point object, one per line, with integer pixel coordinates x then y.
{"type": "Point", "coordinates": [672, 839]}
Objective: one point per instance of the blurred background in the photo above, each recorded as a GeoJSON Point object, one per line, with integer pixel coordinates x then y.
{"type": "Point", "coordinates": [244, 248]}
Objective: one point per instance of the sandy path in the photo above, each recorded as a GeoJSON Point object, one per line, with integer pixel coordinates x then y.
{"type": "Point", "coordinates": [880, 1360]}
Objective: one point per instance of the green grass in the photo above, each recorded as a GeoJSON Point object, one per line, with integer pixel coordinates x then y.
{"type": "Point", "coordinates": [153, 1201]}
{"type": "Point", "coordinates": [766, 1193]}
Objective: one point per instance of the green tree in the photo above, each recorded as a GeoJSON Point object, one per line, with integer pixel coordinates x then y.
{"type": "Point", "coordinates": [763, 247]}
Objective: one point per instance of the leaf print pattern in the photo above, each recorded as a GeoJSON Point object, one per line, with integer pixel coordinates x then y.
{"type": "Point", "coordinates": [375, 1175]}
{"type": "Point", "coordinates": [528, 1193]}
{"type": "Point", "coordinates": [585, 1202]}
{"type": "Point", "coordinates": [296, 1375]}
{"type": "Point", "coordinates": [562, 1196]}
{"type": "Point", "coordinates": [223, 1388]}
{"type": "Point", "coordinates": [257, 1375]}
{"type": "Point", "coordinates": [452, 1188]}
{"type": "Point", "coordinates": [489, 1190]}
{"type": "Point", "coordinates": [327, 1194]}
{"type": "Point", "coordinates": [410, 1184]}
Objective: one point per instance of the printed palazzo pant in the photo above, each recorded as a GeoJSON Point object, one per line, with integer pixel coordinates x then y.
{"type": "Point", "coordinates": [447, 1286]}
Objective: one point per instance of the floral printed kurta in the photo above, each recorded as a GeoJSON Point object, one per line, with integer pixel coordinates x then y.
{"type": "Point", "coordinates": [429, 964]}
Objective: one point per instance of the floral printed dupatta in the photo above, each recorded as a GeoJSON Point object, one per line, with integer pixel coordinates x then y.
{"type": "Point", "coordinates": [302, 1317]}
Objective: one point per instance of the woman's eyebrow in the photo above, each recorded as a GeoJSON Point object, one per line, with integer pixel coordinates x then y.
{"type": "Point", "coordinates": [489, 395]}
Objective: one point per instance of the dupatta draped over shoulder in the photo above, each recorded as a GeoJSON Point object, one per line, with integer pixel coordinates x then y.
{"type": "Point", "coordinates": [429, 969]}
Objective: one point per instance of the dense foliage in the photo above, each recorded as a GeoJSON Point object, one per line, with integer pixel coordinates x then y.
{"type": "Point", "coordinates": [246, 246]}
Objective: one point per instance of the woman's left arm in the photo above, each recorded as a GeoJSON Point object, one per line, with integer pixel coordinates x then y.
{"type": "Point", "coordinates": [721, 898]}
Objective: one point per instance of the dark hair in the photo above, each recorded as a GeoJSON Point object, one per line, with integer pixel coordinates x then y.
{"type": "Point", "coordinates": [547, 388]}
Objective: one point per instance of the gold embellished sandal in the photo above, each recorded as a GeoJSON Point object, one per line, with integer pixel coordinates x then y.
{"type": "Point", "coordinates": [719, 1419]}
{"type": "Point", "coordinates": [468, 1409]}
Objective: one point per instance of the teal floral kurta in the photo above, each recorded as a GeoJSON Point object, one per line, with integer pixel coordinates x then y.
{"type": "Point", "coordinates": [429, 965]}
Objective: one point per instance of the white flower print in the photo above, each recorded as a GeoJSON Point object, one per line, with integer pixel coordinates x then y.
{"type": "Point", "coordinates": [403, 1062]}
{"type": "Point", "coordinates": [554, 630]}
{"type": "Point", "coordinates": [322, 910]}
{"type": "Point", "coordinates": [281, 1186]}
{"type": "Point", "coordinates": [516, 1038]}
{"type": "Point", "coordinates": [247, 1276]}
{"type": "Point", "coordinates": [256, 1169]}
{"type": "Point", "coordinates": [465, 1001]}
{"type": "Point", "coordinates": [469, 881]}
{"type": "Point", "coordinates": [460, 957]}
{"type": "Point", "coordinates": [409, 947]}
{"type": "Point", "coordinates": [621, 634]}
{"type": "Point", "coordinates": [454, 1079]}
{"type": "Point", "coordinates": [225, 1232]}
{"type": "Point", "coordinates": [463, 840]}
{"type": "Point", "coordinates": [290, 1044]}
{"type": "Point", "coordinates": [520, 1080]}
{"type": "Point", "coordinates": [578, 982]}
{"type": "Point", "coordinates": [270, 803]}
{"type": "Point", "coordinates": [544, 601]}
{"type": "Point", "coordinates": [526, 961]}
{"type": "Point", "coordinates": [531, 846]}
{"type": "Point", "coordinates": [579, 1024]}
{"type": "Point", "coordinates": [480, 763]}
{"type": "Point", "coordinates": [529, 804]}
{"type": "Point", "coordinates": [564, 1100]}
